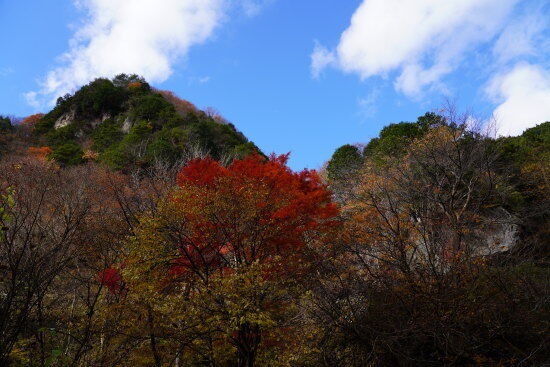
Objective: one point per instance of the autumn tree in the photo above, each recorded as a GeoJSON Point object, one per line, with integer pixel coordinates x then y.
{"type": "Point", "coordinates": [413, 282]}
{"type": "Point", "coordinates": [32, 120]}
{"type": "Point", "coordinates": [212, 270]}
{"type": "Point", "coordinates": [41, 221]}
{"type": "Point", "coordinates": [59, 229]}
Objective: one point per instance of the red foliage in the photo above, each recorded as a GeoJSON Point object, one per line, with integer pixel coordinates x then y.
{"type": "Point", "coordinates": [202, 172]}
{"type": "Point", "coordinates": [256, 210]}
{"type": "Point", "coordinates": [112, 279]}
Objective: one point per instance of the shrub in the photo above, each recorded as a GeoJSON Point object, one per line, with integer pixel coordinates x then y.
{"type": "Point", "coordinates": [62, 135]}
{"type": "Point", "coordinates": [149, 107]}
{"type": "Point", "coordinates": [5, 124]}
{"type": "Point", "coordinates": [68, 154]}
{"type": "Point", "coordinates": [105, 135]}
{"type": "Point", "coordinates": [114, 157]}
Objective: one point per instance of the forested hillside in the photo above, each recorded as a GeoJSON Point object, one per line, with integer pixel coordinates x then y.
{"type": "Point", "coordinates": [136, 230]}
{"type": "Point", "coordinates": [125, 123]}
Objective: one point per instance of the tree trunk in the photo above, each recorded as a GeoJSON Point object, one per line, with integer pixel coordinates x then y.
{"type": "Point", "coordinates": [247, 346]}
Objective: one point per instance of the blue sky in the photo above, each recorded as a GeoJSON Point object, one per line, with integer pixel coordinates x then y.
{"type": "Point", "coordinates": [295, 76]}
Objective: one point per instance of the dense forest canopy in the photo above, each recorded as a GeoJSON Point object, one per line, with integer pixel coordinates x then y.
{"type": "Point", "coordinates": [137, 230]}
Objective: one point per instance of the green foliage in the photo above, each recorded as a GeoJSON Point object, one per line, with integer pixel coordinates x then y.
{"type": "Point", "coordinates": [138, 133]}
{"type": "Point", "coordinates": [346, 160]}
{"type": "Point", "coordinates": [6, 133]}
{"type": "Point", "coordinates": [216, 138]}
{"type": "Point", "coordinates": [162, 149]}
{"type": "Point", "coordinates": [114, 157]}
{"type": "Point", "coordinates": [64, 105]}
{"type": "Point", "coordinates": [7, 201]}
{"type": "Point", "coordinates": [151, 107]}
{"type": "Point", "coordinates": [431, 120]}
{"type": "Point", "coordinates": [526, 147]}
{"type": "Point", "coordinates": [99, 97]}
{"type": "Point", "coordinates": [392, 141]}
{"type": "Point", "coordinates": [242, 150]}
{"type": "Point", "coordinates": [92, 101]}
{"type": "Point", "coordinates": [122, 80]}
{"type": "Point", "coordinates": [394, 138]}
{"type": "Point", "coordinates": [5, 124]}
{"type": "Point", "coordinates": [68, 154]}
{"type": "Point", "coordinates": [106, 134]}
{"type": "Point", "coordinates": [539, 135]}
{"type": "Point", "coordinates": [62, 135]}
{"type": "Point", "coordinates": [524, 160]}
{"type": "Point", "coordinates": [47, 123]}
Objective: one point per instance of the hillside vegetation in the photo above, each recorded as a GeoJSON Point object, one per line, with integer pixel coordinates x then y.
{"type": "Point", "coordinates": [125, 123]}
{"type": "Point", "coordinates": [136, 230]}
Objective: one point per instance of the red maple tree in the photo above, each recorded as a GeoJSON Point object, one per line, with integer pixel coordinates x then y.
{"type": "Point", "coordinates": [255, 209]}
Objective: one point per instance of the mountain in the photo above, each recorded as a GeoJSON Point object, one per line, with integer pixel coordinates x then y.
{"type": "Point", "coordinates": [124, 123]}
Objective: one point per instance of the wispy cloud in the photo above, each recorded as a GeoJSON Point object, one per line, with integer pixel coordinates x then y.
{"type": "Point", "coordinates": [198, 80]}
{"type": "Point", "coordinates": [205, 79]}
{"type": "Point", "coordinates": [6, 71]}
{"type": "Point", "coordinates": [526, 35]}
{"type": "Point", "coordinates": [254, 7]}
{"type": "Point", "coordinates": [367, 105]}
{"type": "Point", "coordinates": [320, 59]}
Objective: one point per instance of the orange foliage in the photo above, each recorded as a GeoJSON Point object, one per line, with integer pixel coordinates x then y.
{"type": "Point", "coordinates": [135, 85]}
{"type": "Point", "coordinates": [90, 154]}
{"type": "Point", "coordinates": [41, 153]}
{"type": "Point", "coordinates": [182, 106]}
{"type": "Point", "coordinates": [32, 120]}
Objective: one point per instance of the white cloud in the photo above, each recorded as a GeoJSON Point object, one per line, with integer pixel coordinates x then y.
{"type": "Point", "coordinates": [198, 80]}
{"type": "Point", "coordinates": [254, 7]}
{"type": "Point", "coordinates": [203, 80]}
{"type": "Point", "coordinates": [523, 95]}
{"type": "Point", "coordinates": [32, 100]}
{"type": "Point", "coordinates": [131, 36]}
{"type": "Point", "coordinates": [367, 105]}
{"type": "Point", "coordinates": [422, 39]}
{"type": "Point", "coordinates": [6, 71]}
{"type": "Point", "coordinates": [320, 59]}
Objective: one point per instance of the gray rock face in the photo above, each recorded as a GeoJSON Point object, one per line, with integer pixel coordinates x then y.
{"type": "Point", "coordinates": [497, 232]}
{"type": "Point", "coordinates": [70, 117]}
{"type": "Point", "coordinates": [500, 231]}
{"type": "Point", "coordinates": [127, 125]}
{"type": "Point", "coordinates": [65, 120]}
{"type": "Point", "coordinates": [96, 122]}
